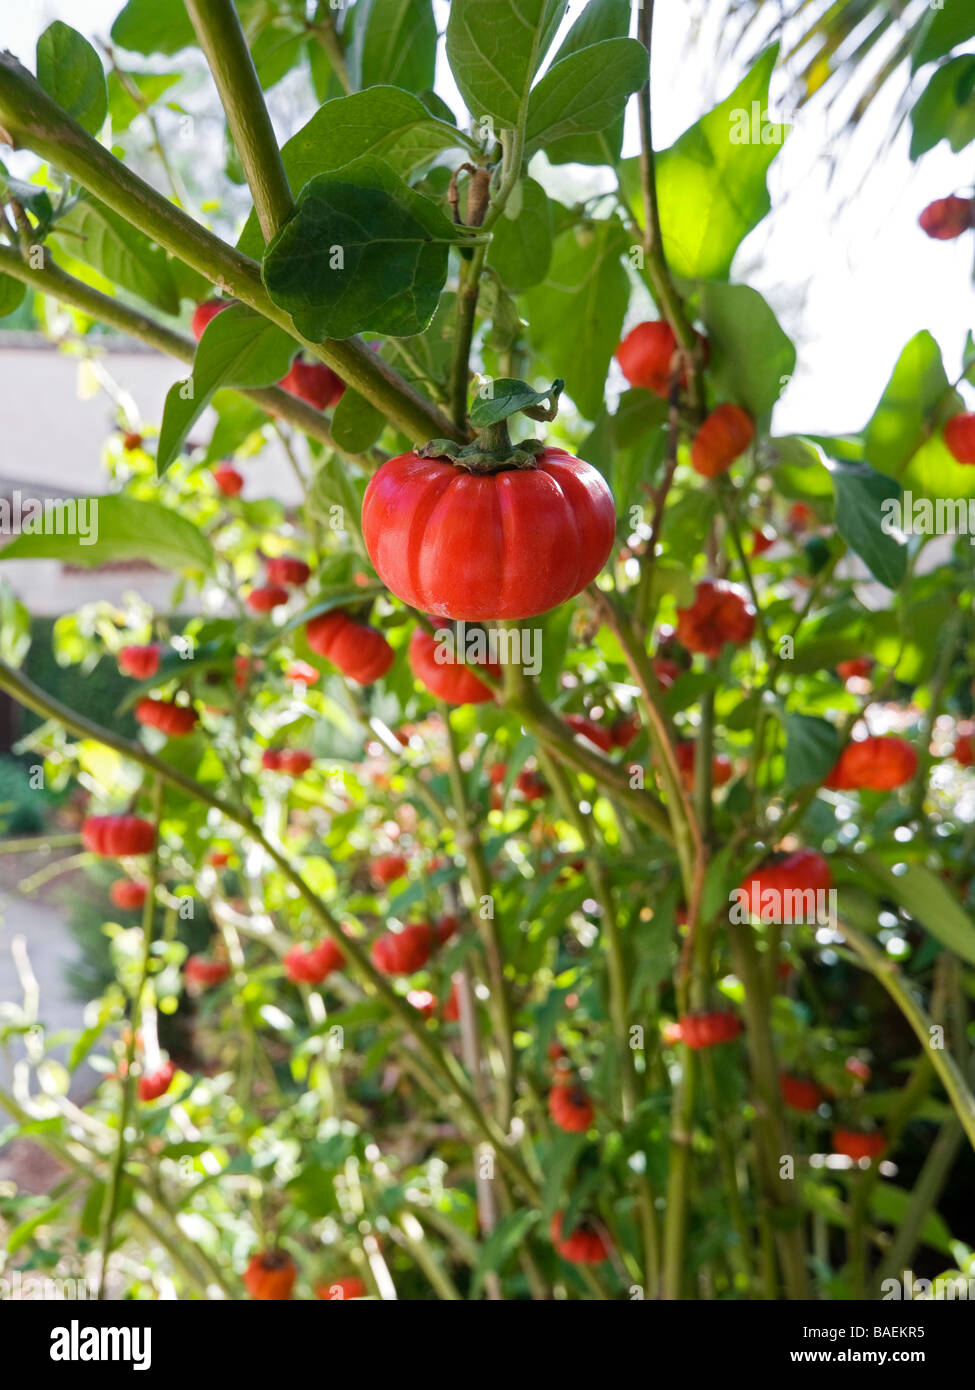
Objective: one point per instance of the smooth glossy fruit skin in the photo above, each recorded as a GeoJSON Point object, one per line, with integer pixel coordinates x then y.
{"type": "Point", "coordinates": [266, 597]}
{"type": "Point", "coordinates": [116, 836]}
{"type": "Point", "coordinates": [878, 763]}
{"type": "Point", "coordinates": [157, 1083]}
{"type": "Point", "coordinates": [360, 652]}
{"type": "Point", "coordinates": [570, 1107]}
{"type": "Point", "coordinates": [175, 721]}
{"type": "Point", "coordinates": [140, 662]}
{"type": "Point", "coordinates": [582, 1246]}
{"type": "Point", "coordinates": [685, 752]}
{"type": "Point", "coordinates": [645, 355]}
{"type": "Point", "coordinates": [339, 1290]}
{"type": "Point", "coordinates": [959, 435]}
{"type": "Point", "coordinates": [947, 218]}
{"type": "Point", "coordinates": [507, 545]}
{"type": "Point", "coordinates": [720, 613]}
{"type": "Point", "coordinates": [205, 973]}
{"type": "Point", "coordinates": [800, 1094]}
{"type": "Point", "coordinates": [286, 569]}
{"type": "Point", "coordinates": [802, 871]}
{"type": "Point", "coordinates": [313, 383]}
{"type": "Point", "coordinates": [858, 1145]}
{"type": "Point", "coordinates": [270, 1276]}
{"type": "Point", "coordinates": [387, 868]}
{"type": "Point", "coordinates": [206, 311]}
{"type": "Point", "coordinates": [228, 480]}
{"type": "Point", "coordinates": [128, 894]}
{"type": "Point", "coordinates": [723, 437]}
{"type": "Point", "coordinates": [311, 965]}
{"type": "Point", "coordinates": [403, 952]}
{"type": "Point", "coordinates": [451, 681]}
{"type": "Point", "coordinates": [597, 734]}
{"type": "Point", "coordinates": [709, 1029]}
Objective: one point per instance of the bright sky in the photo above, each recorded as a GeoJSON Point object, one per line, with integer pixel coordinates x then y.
{"type": "Point", "coordinates": [844, 265]}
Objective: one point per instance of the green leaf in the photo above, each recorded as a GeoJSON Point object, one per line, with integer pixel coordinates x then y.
{"type": "Point", "coordinates": [14, 627]}
{"type": "Point", "coordinates": [599, 20]}
{"type": "Point", "coordinates": [941, 31]}
{"type": "Point", "coordinates": [356, 424]}
{"type": "Point", "coordinates": [35, 199]}
{"type": "Point", "coordinates": [929, 901]}
{"type": "Point", "coordinates": [154, 26]}
{"type": "Point", "coordinates": [127, 529]}
{"type": "Point", "coordinates": [559, 1163]}
{"type": "Point", "coordinates": [711, 183]}
{"type": "Point", "coordinates": [239, 348]}
{"type": "Point", "coordinates": [395, 42]}
{"type": "Point", "coordinates": [588, 288]}
{"type": "Point", "coordinates": [363, 251]}
{"type": "Point", "coordinates": [811, 750]}
{"type": "Point", "coordinates": [12, 294]}
{"type": "Point", "coordinates": [124, 255]}
{"type": "Point", "coordinates": [501, 1244]}
{"type": "Point", "coordinates": [237, 419]}
{"type": "Point", "coordinates": [381, 121]}
{"type": "Point", "coordinates": [751, 357]}
{"type": "Point", "coordinates": [507, 397]}
{"type": "Point", "coordinates": [521, 244]}
{"type": "Point", "coordinates": [901, 439]}
{"type": "Point", "coordinates": [495, 48]}
{"type": "Point", "coordinates": [860, 515]}
{"type": "Point", "coordinates": [275, 51]}
{"type": "Point", "coordinates": [122, 106]}
{"type": "Point", "coordinates": [71, 72]}
{"type": "Point", "coordinates": [585, 92]}
{"type": "Point", "coordinates": [48, 1214]}
{"type": "Point", "coordinates": [945, 109]}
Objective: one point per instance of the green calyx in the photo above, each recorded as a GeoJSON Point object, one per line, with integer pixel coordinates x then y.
{"type": "Point", "coordinates": [493, 451]}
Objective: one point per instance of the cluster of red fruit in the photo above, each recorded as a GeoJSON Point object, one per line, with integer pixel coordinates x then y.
{"type": "Point", "coordinates": [283, 572]}
{"type": "Point", "coordinates": [619, 734]}
{"type": "Point", "coordinates": [270, 1277]}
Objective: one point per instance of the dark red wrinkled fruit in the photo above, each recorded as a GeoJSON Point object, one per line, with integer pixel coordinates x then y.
{"type": "Point", "coordinates": [588, 728]}
{"type": "Point", "coordinates": [646, 353]}
{"type": "Point", "coordinates": [723, 437]}
{"type": "Point", "coordinates": [947, 218]}
{"type": "Point", "coordinates": [857, 1144]}
{"type": "Point", "coordinates": [204, 972]}
{"type": "Point", "coordinates": [570, 1107]}
{"type": "Point", "coordinates": [157, 1083]}
{"type": "Point", "coordinates": [116, 836]}
{"type": "Point", "coordinates": [403, 952]}
{"type": "Point", "coordinates": [710, 1029]}
{"type": "Point", "coordinates": [203, 313]}
{"type": "Point", "coordinates": [803, 871]}
{"type": "Point", "coordinates": [959, 435]}
{"type": "Point", "coordinates": [140, 662]}
{"type": "Point", "coordinates": [267, 597]}
{"type": "Point", "coordinates": [128, 894]}
{"type": "Point", "coordinates": [800, 1094]}
{"type": "Point", "coordinates": [531, 785]}
{"type": "Point", "coordinates": [175, 721]}
{"type": "Point", "coordinates": [582, 1246]}
{"type": "Point", "coordinates": [286, 569]}
{"type": "Point", "coordinates": [313, 383]}
{"type": "Point", "coordinates": [228, 480]}
{"type": "Point", "coordinates": [858, 666]}
{"type": "Point", "coordinates": [360, 652]}
{"type": "Point", "coordinates": [270, 1276]}
{"type": "Point", "coordinates": [874, 764]}
{"type": "Point", "coordinates": [624, 730]}
{"type": "Point", "coordinates": [310, 965]}
{"type": "Point", "coordinates": [451, 681]}
{"type": "Point", "coordinates": [720, 613]}
{"type": "Point", "coordinates": [387, 868]}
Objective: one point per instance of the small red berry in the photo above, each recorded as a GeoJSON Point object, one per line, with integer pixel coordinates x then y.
{"type": "Point", "coordinates": [204, 313]}
{"type": "Point", "coordinates": [646, 353]}
{"type": "Point", "coordinates": [266, 598]}
{"type": "Point", "coordinates": [128, 894]}
{"type": "Point", "coordinates": [858, 1145]}
{"type": "Point", "coordinates": [959, 435]}
{"type": "Point", "coordinates": [286, 569]}
{"type": "Point", "coordinates": [270, 1276]}
{"type": "Point", "coordinates": [156, 1083]}
{"type": "Point", "coordinates": [314, 383]}
{"type": "Point", "coordinates": [228, 480]}
{"type": "Point", "coordinates": [583, 1245]}
{"type": "Point", "coordinates": [709, 1029]}
{"type": "Point", "coordinates": [204, 973]}
{"type": "Point", "coordinates": [140, 662]}
{"type": "Point", "coordinates": [723, 437]}
{"type": "Point", "coordinates": [947, 218]}
{"type": "Point", "coordinates": [800, 1094]}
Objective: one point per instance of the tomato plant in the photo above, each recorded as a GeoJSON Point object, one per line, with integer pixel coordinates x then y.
{"type": "Point", "coordinates": [543, 863]}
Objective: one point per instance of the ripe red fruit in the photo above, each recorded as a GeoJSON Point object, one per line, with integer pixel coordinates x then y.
{"type": "Point", "coordinates": [801, 516]}
{"type": "Point", "coordinates": [724, 435]}
{"type": "Point", "coordinates": [206, 311]}
{"type": "Point", "coordinates": [140, 662]}
{"type": "Point", "coordinates": [115, 836]}
{"type": "Point", "coordinates": [452, 681]}
{"type": "Point", "coordinates": [445, 928]}
{"type": "Point", "coordinates": [271, 760]}
{"type": "Point", "coordinates": [131, 442]}
{"type": "Point", "coordinates": [219, 858]}
{"type": "Point", "coordinates": [710, 1029]}
{"type": "Point", "coordinates": [960, 437]}
{"type": "Point", "coordinates": [228, 480]}
{"type": "Point", "coordinates": [762, 541]}
{"type": "Point", "coordinates": [270, 1276]}
{"type": "Point", "coordinates": [859, 666]}
{"type": "Point", "coordinates": [964, 750]}
{"type": "Point", "coordinates": [295, 762]}
{"type": "Point", "coordinates": [301, 671]}
{"type": "Point", "coordinates": [624, 730]}
{"type": "Point", "coordinates": [156, 1083]}
{"type": "Point", "coordinates": [570, 1107]}
{"type": "Point", "coordinates": [451, 1008]}
{"type": "Point", "coordinates": [175, 721]}
{"type": "Point", "coordinates": [947, 218]}
{"type": "Point", "coordinates": [502, 545]}
{"type": "Point", "coordinates": [423, 1001]}
{"type": "Point", "coordinates": [531, 785]}
{"type": "Point", "coordinates": [645, 355]}
{"type": "Point", "coordinates": [801, 872]}
{"type": "Point", "coordinates": [721, 768]}
{"type": "Point", "coordinates": [800, 1094]}
{"type": "Point", "coordinates": [205, 973]}
{"type": "Point", "coordinates": [310, 965]}
{"type": "Point", "coordinates": [387, 868]}
{"type": "Point", "coordinates": [875, 763]}
{"type": "Point", "coordinates": [720, 613]}
{"type": "Point", "coordinates": [588, 728]}
{"type": "Point", "coordinates": [266, 598]}
{"type": "Point", "coordinates": [285, 569]}
{"type": "Point", "coordinates": [583, 1246]}
{"type": "Point", "coordinates": [313, 382]}
{"type": "Point", "coordinates": [338, 1290]}
{"type": "Point", "coordinates": [497, 772]}
{"type": "Point", "coordinates": [128, 894]}
{"type": "Point", "coordinates": [666, 671]}
{"type": "Point", "coordinates": [360, 652]}
{"type": "Point", "coordinates": [402, 952]}
{"type": "Point", "coordinates": [857, 1145]}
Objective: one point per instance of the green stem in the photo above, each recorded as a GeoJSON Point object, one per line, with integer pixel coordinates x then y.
{"type": "Point", "coordinates": [221, 38]}
{"type": "Point", "coordinates": [468, 288]}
